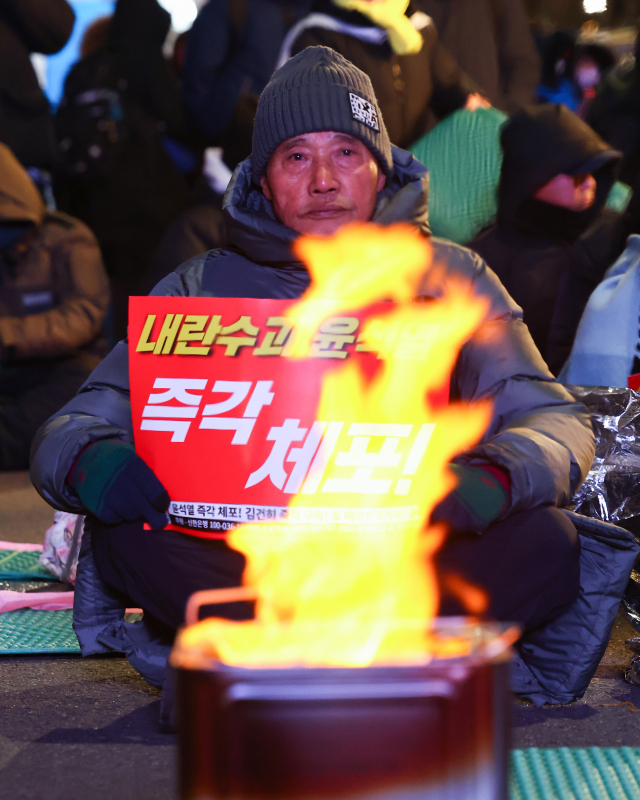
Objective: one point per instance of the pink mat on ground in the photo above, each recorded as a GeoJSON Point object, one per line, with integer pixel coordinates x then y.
{"type": "Point", "coordinates": [19, 546]}
{"type": "Point", "coordinates": [40, 601]}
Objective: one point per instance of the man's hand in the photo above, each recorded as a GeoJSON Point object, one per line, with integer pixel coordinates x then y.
{"type": "Point", "coordinates": [479, 499]}
{"type": "Point", "coordinates": [116, 485]}
{"type": "Point", "coordinates": [475, 101]}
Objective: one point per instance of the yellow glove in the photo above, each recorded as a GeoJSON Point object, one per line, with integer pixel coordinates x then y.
{"type": "Point", "coordinates": [389, 14]}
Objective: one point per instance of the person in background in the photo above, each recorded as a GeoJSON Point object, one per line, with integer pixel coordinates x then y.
{"type": "Point", "coordinates": [124, 138]}
{"type": "Point", "coordinates": [53, 300]}
{"type": "Point", "coordinates": [491, 41]}
{"type": "Point", "coordinates": [553, 239]}
{"type": "Point", "coordinates": [558, 64]}
{"type": "Point", "coordinates": [416, 80]}
{"type": "Point", "coordinates": [593, 63]}
{"type": "Point", "coordinates": [231, 52]}
{"type": "Point", "coordinates": [26, 123]}
{"type": "Point", "coordinates": [614, 114]}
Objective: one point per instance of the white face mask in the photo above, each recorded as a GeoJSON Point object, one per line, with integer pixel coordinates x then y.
{"type": "Point", "coordinates": [589, 76]}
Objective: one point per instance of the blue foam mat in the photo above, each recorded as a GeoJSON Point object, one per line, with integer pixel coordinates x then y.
{"type": "Point", "coordinates": [17, 565]}
{"type": "Point", "coordinates": [564, 773]}
{"type": "Point", "coordinates": [29, 632]}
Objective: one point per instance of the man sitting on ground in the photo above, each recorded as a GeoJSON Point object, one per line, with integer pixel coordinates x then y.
{"type": "Point", "coordinates": [321, 159]}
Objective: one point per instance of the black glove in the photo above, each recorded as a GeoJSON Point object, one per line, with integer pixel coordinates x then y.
{"type": "Point", "coordinates": [117, 486]}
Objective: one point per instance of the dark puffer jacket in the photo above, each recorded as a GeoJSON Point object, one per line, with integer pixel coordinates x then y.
{"type": "Point", "coordinates": [551, 264]}
{"type": "Point", "coordinates": [413, 91]}
{"type": "Point", "coordinates": [29, 26]}
{"type": "Point", "coordinates": [538, 433]}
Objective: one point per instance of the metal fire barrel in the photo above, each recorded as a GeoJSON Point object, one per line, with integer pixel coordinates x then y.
{"type": "Point", "coordinates": [435, 731]}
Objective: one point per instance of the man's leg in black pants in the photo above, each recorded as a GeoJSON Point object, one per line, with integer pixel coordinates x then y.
{"type": "Point", "coordinates": [159, 570]}
{"type": "Point", "coordinates": [529, 564]}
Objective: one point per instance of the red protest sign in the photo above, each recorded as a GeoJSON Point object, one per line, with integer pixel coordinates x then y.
{"type": "Point", "coordinates": [228, 422]}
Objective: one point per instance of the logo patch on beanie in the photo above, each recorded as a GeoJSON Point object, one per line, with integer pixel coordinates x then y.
{"type": "Point", "coordinates": [364, 111]}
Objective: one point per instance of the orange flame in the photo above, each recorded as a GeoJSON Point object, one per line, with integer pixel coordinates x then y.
{"type": "Point", "coordinates": [375, 263]}
{"type": "Point", "coordinates": [342, 594]}
{"type": "Point", "coordinates": [472, 597]}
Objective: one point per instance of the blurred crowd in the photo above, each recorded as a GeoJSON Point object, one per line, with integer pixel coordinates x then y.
{"type": "Point", "coordinates": [531, 136]}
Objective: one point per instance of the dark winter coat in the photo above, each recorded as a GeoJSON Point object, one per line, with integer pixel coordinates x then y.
{"type": "Point", "coordinates": [491, 41]}
{"type": "Point", "coordinates": [538, 434]}
{"type": "Point", "coordinates": [412, 91]}
{"type": "Point", "coordinates": [231, 53]}
{"type": "Point", "coordinates": [54, 298]}
{"type": "Point", "coordinates": [550, 270]}
{"type": "Point", "coordinates": [29, 26]}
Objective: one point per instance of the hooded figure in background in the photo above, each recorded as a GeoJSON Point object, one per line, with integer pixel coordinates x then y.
{"type": "Point", "coordinates": [554, 239]}
{"type": "Point", "coordinates": [26, 124]}
{"type": "Point", "coordinates": [53, 300]}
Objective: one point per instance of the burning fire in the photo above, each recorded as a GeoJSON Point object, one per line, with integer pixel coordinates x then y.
{"type": "Point", "coordinates": [347, 594]}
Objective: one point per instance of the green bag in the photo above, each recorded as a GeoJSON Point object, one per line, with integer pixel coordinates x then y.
{"type": "Point", "coordinates": [464, 157]}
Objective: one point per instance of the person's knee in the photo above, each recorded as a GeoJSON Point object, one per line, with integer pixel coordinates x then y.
{"type": "Point", "coordinates": [556, 536]}
{"type": "Point", "coordinates": [531, 561]}
{"type": "Point", "coordinates": [558, 545]}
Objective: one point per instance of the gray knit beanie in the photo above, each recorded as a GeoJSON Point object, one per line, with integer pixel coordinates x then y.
{"type": "Point", "coordinates": [318, 90]}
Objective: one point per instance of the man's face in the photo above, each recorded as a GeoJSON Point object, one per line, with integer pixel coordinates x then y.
{"type": "Point", "coordinates": [575, 192]}
{"type": "Point", "coordinates": [318, 182]}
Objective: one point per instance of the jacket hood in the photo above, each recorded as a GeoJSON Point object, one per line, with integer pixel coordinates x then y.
{"type": "Point", "coordinates": [20, 201]}
{"type": "Point", "coordinates": [541, 142]}
{"type": "Point", "coordinates": [139, 21]}
{"type": "Point", "coordinates": [254, 231]}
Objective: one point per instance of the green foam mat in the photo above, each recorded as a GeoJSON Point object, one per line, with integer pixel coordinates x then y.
{"type": "Point", "coordinates": [25, 632]}
{"type": "Point", "coordinates": [593, 773]}
{"type": "Point", "coordinates": [17, 565]}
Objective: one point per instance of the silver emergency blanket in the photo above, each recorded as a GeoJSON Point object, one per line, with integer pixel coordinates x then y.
{"type": "Point", "coordinates": [611, 491]}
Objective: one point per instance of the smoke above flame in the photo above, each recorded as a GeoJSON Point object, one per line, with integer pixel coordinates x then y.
{"type": "Point", "coordinates": [360, 594]}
